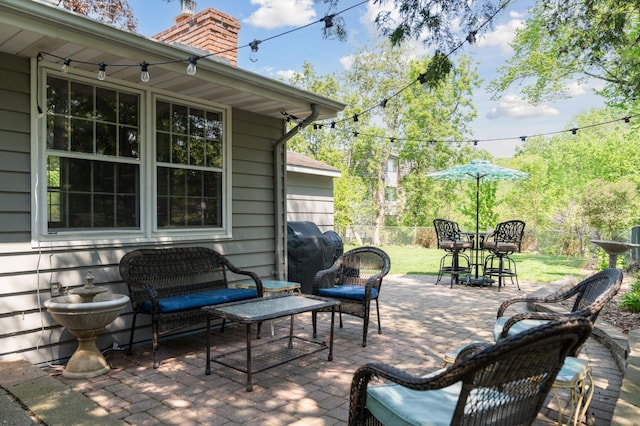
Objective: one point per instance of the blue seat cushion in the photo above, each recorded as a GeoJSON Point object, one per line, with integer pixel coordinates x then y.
{"type": "Point", "coordinates": [400, 406]}
{"type": "Point", "coordinates": [202, 298]}
{"type": "Point", "coordinates": [518, 327]}
{"type": "Point", "coordinates": [351, 292]}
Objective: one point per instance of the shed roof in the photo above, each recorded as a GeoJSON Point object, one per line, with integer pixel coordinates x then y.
{"type": "Point", "coordinates": [300, 163]}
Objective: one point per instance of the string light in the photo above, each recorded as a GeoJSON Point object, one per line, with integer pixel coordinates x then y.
{"type": "Point", "coordinates": [355, 118]}
{"type": "Point", "coordinates": [471, 39]}
{"type": "Point", "coordinates": [332, 24]}
{"type": "Point", "coordinates": [65, 65]}
{"type": "Point", "coordinates": [253, 56]}
{"type": "Point", "coordinates": [191, 68]}
{"type": "Point", "coordinates": [144, 72]}
{"type": "Point", "coordinates": [383, 103]}
{"type": "Point", "coordinates": [475, 142]}
{"type": "Point", "coordinates": [102, 71]}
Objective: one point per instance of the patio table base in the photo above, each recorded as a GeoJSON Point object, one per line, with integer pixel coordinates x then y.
{"type": "Point", "coordinates": [271, 354]}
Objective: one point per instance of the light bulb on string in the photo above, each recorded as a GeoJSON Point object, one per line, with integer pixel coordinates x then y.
{"type": "Point", "coordinates": [144, 72]}
{"type": "Point", "coordinates": [422, 78]}
{"type": "Point", "coordinates": [253, 56]}
{"type": "Point", "coordinates": [65, 65]}
{"type": "Point", "coordinates": [333, 27]}
{"type": "Point", "coordinates": [191, 68]}
{"type": "Point", "coordinates": [102, 71]}
{"type": "Point", "coordinates": [473, 42]}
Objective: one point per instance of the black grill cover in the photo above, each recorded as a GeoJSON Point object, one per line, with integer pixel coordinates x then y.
{"type": "Point", "coordinates": [309, 251]}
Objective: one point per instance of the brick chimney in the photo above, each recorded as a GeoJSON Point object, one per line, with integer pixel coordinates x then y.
{"type": "Point", "coordinates": [209, 30]}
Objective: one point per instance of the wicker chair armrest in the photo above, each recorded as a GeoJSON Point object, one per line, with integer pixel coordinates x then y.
{"type": "Point", "coordinates": [231, 267]}
{"type": "Point", "coordinates": [551, 316]}
{"type": "Point", "coordinates": [470, 349]}
{"type": "Point", "coordinates": [318, 277]}
{"type": "Point", "coordinates": [553, 298]}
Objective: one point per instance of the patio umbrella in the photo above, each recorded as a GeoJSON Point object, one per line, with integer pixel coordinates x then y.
{"type": "Point", "coordinates": [479, 171]}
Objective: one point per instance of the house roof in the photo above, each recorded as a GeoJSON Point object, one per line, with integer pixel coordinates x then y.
{"type": "Point", "coordinates": [302, 164]}
{"type": "Point", "coordinates": [30, 27]}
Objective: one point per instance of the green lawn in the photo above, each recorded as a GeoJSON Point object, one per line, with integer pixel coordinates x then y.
{"type": "Point", "coordinates": [531, 267]}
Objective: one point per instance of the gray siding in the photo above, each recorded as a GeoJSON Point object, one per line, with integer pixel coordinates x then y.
{"type": "Point", "coordinates": [27, 273]}
{"type": "Point", "coordinates": [15, 178]}
{"type": "Point", "coordinates": [310, 198]}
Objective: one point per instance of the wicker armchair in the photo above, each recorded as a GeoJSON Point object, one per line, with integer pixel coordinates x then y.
{"type": "Point", "coordinates": [355, 280]}
{"type": "Point", "coordinates": [591, 295]}
{"type": "Point", "coordinates": [454, 243]}
{"type": "Point", "coordinates": [505, 240]}
{"type": "Point", "coordinates": [505, 383]}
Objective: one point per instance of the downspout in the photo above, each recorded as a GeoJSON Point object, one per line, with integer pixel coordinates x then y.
{"type": "Point", "coordinates": [280, 187]}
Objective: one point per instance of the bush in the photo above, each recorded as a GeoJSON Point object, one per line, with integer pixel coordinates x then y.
{"type": "Point", "coordinates": [426, 237]}
{"type": "Point", "coordinates": [631, 299]}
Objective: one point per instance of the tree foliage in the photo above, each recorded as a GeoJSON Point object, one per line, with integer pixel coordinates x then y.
{"type": "Point", "coordinates": [115, 12]}
{"type": "Point", "coordinates": [574, 40]}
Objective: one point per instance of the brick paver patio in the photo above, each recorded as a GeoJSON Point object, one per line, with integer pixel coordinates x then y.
{"type": "Point", "coordinates": [420, 321]}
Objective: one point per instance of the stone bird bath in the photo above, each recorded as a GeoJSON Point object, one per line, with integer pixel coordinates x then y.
{"type": "Point", "coordinates": [85, 313]}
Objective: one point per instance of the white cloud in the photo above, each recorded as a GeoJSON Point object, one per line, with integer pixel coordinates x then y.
{"type": "Point", "coordinates": [278, 13]}
{"type": "Point", "coordinates": [285, 74]}
{"type": "Point", "coordinates": [512, 106]}
{"type": "Point", "coordinates": [346, 61]}
{"type": "Point", "coordinates": [575, 89]}
{"type": "Point", "coordinates": [503, 34]}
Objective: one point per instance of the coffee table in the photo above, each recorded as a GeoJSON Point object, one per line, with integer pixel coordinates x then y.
{"type": "Point", "coordinates": [254, 311]}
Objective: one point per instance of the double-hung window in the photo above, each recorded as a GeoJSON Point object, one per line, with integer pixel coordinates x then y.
{"type": "Point", "coordinates": [108, 178]}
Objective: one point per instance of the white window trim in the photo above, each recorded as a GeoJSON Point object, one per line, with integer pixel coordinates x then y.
{"type": "Point", "coordinates": [148, 232]}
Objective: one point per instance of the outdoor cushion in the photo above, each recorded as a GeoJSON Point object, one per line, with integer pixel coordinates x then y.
{"type": "Point", "coordinates": [397, 405]}
{"type": "Point", "coordinates": [351, 292]}
{"type": "Point", "coordinates": [518, 327]}
{"type": "Point", "coordinates": [203, 298]}
{"type": "Point", "coordinates": [572, 369]}
{"type": "Point", "coordinates": [447, 244]}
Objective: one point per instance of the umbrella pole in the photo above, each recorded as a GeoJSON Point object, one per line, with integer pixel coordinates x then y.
{"type": "Point", "coordinates": [477, 241]}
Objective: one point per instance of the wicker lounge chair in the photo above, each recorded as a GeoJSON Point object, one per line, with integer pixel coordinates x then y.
{"type": "Point", "coordinates": [591, 295]}
{"type": "Point", "coordinates": [454, 243]}
{"type": "Point", "coordinates": [505, 383]}
{"type": "Point", "coordinates": [355, 279]}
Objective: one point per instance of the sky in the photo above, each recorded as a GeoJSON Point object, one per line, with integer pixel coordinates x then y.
{"type": "Point", "coordinates": [507, 118]}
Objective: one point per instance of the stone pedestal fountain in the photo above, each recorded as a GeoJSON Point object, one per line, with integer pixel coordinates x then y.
{"type": "Point", "coordinates": [85, 313]}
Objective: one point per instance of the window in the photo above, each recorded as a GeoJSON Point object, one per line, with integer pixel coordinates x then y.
{"type": "Point", "coordinates": [106, 176]}
{"type": "Point", "coordinates": [92, 157]}
{"type": "Point", "coordinates": [189, 166]}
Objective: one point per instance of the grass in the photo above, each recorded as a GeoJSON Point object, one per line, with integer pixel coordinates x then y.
{"type": "Point", "coordinates": [417, 260]}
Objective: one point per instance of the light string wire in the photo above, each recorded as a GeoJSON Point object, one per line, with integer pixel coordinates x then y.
{"type": "Point", "coordinates": [319, 125]}
{"type": "Point", "coordinates": [440, 59]}
{"type": "Point", "coordinates": [67, 61]}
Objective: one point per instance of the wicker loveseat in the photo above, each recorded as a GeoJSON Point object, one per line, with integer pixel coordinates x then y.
{"type": "Point", "coordinates": [173, 284]}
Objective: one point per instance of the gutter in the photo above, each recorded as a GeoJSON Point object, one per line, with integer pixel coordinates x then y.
{"type": "Point", "coordinates": [280, 188]}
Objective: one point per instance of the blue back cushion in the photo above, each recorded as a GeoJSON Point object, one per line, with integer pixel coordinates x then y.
{"type": "Point", "coordinates": [200, 299]}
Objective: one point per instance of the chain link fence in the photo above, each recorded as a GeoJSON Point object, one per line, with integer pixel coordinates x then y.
{"type": "Point", "coordinates": [554, 242]}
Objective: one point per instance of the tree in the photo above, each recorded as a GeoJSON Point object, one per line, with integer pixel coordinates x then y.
{"type": "Point", "coordinates": [115, 12]}
{"type": "Point", "coordinates": [610, 207]}
{"type": "Point", "coordinates": [572, 41]}
{"type": "Point", "coordinates": [444, 25]}
{"type": "Point", "coordinates": [432, 21]}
